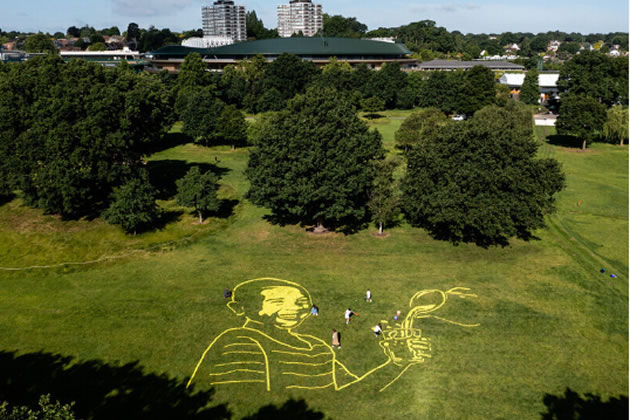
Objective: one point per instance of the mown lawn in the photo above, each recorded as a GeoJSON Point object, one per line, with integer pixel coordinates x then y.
{"type": "Point", "coordinates": [549, 320]}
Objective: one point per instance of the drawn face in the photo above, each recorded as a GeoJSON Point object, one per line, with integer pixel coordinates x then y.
{"type": "Point", "coordinates": [289, 305]}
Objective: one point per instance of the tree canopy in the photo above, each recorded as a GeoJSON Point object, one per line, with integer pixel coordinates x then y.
{"type": "Point", "coordinates": [133, 205]}
{"type": "Point", "coordinates": [38, 43]}
{"type": "Point", "coordinates": [310, 162]}
{"type": "Point", "coordinates": [529, 90]}
{"type": "Point", "coordinates": [616, 125]}
{"type": "Point", "coordinates": [199, 191]}
{"type": "Point", "coordinates": [76, 130]}
{"type": "Point", "coordinates": [581, 116]}
{"type": "Point", "coordinates": [479, 180]}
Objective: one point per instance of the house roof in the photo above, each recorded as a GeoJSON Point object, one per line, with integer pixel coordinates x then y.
{"type": "Point", "coordinates": [322, 47]}
{"type": "Point", "coordinates": [464, 65]}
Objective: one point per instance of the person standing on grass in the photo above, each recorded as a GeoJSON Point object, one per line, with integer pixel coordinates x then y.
{"type": "Point", "coordinates": [347, 315]}
{"type": "Point", "coordinates": [368, 296]}
{"type": "Point", "coordinates": [314, 310]}
{"type": "Point", "coordinates": [378, 330]}
{"type": "Point", "coordinates": [335, 339]}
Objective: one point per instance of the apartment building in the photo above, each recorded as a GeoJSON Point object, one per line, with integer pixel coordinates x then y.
{"type": "Point", "coordinates": [224, 19]}
{"type": "Point", "coordinates": [299, 15]}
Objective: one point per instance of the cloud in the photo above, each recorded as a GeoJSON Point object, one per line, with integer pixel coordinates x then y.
{"type": "Point", "coordinates": [148, 7]}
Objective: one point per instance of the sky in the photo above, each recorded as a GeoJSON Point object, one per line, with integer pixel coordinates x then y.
{"type": "Point", "coordinates": [473, 16]}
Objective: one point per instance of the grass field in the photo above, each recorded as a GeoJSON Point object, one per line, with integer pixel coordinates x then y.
{"type": "Point", "coordinates": [549, 320]}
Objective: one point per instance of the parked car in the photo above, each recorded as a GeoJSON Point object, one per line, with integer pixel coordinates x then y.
{"type": "Point", "coordinates": [459, 117]}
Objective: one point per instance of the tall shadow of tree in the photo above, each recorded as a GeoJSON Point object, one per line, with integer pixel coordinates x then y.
{"type": "Point", "coordinates": [571, 406]}
{"type": "Point", "coordinates": [101, 390]}
{"type": "Point", "coordinates": [164, 173]}
{"type": "Point", "coordinates": [169, 141]}
{"type": "Point", "coordinates": [290, 410]}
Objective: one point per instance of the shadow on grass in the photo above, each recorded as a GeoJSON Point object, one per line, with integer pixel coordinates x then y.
{"type": "Point", "coordinates": [169, 141]}
{"type": "Point", "coordinates": [226, 208]}
{"type": "Point", "coordinates": [290, 410]}
{"type": "Point", "coordinates": [347, 227]}
{"type": "Point", "coordinates": [373, 116]}
{"type": "Point", "coordinates": [564, 141]}
{"type": "Point", "coordinates": [101, 390]}
{"type": "Point", "coordinates": [164, 173]}
{"type": "Point", "coordinates": [4, 199]}
{"type": "Point", "coordinates": [572, 406]}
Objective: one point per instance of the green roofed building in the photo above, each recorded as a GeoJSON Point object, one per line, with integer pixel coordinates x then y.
{"type": "Point", "coordinates": [317, 50]}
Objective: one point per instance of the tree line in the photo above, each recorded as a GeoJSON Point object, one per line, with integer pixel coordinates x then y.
{"type": "Point", "coordinates": [74, 136]}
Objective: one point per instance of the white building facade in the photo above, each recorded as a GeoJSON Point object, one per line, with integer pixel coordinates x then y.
{"type": "Point", "coordinates": [299, 15]}
{"type": "Point", "coordinates": [224, 19]}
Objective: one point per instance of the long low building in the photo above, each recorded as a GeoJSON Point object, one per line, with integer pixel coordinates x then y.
{"type": "Point", "coordinates": [452, 65]}
{"type": "Point", "coordinates": [317, 50]}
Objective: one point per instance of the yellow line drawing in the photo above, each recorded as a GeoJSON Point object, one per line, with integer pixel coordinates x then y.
{"type": "Point", "coordinates": [304, 374]}
{"type": "Point", "coordinates": [407, 334]}
{"type": "Point", "coordinates": [240, 363]}
{"type": "Point", "coordinates": [305, 363]}
{"type": "Point", "coordinates": [236, 382]}
{"type": "Point", "coordinates": [310, 387]}
{"type": "Point", "coordinates": [301, 354]}
{"type": "Point", "coordinates": [273, 308]}
{"type": "Point", "coordinates": [239, 344]}
{"type": "Point", "coordinates": [236, 370]}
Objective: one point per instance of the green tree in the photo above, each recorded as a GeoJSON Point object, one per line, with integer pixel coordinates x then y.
{"type": "Point", "coordinates": [418, 126]}
{"type": "Point", "coordinates": [477, 90]}
{"type": "Point", "coordinates": [372, 105]}
{"type": "Point", "coordinates": [582, 117]}
{"type": "Point", "coordinates": [199, 191]}
{"type": "Point", "coordinates": [133, 206]}
{"type": "Point", "coordinates": [256, 29]}
{"type": "Point", "coordinates": [270, 100]}
{"type": "Point", "coordinates": [99, 46]}
{"type": "Point", "coordinates": [193, 73]}
{"type": "Point", "coordinates": [233, 86]}
{"type": "Point", "coordinates": [384, 201]}
{"type": "Point", "coordinates": [200, 110]}
{"type": "Point", "coordinates": [133, 32]}
{"type": "Point", "coordinates": [442, 90]}
{"type": "Point", "coordinates": [289, 74]}
{"type": "Point", "coordinates": [479, 181]}
{"type": "Point", "coordinates": [76, 130]}
{"type": "Point", "coordinates": [529, 90]}
{"type": "Point", "coordinates": [38, 43]}
{"type": "Point", "coordinates": [387, 83]}
{"type": "Point", "coordinates": [596, 75]}
{"type": "Point", "coordinates": [233, 126]}
{"type": "Point", "coordinates": [309, 163]}
{"type": "Point", "coordinates": [616, 125]}
{"type": "Point", "coordinates": [47, 411]}
{"type": "Point", "coordinates": [342, 27]}
{"type": "Point", "coordinates": [74, 32]}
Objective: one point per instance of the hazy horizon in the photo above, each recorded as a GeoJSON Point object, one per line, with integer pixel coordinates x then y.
{"type": "Point", "coordinates": [479, 16]}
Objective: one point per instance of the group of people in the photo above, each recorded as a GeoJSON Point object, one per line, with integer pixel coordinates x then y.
{"type": "Point", "coordinates": [348, 314]}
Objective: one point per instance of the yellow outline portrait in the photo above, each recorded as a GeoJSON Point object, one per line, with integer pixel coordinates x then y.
{"type": "Point", "coordinates": [267, 350]}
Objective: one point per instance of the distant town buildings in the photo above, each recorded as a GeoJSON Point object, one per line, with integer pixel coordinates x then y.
{"type": "Point", "coordinates": [224, 19]}
{"type": "Point", "coordinates": [299, 16]}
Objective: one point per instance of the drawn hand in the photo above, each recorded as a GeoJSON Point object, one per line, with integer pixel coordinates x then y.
{"type": "Point", "coordinates": [405, 347]}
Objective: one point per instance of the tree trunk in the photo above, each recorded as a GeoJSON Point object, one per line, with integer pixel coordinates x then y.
{"type": "Point", "coordinates": [380, 228]}
{"type": "Point", "coordinates": [233, 147]}
{"type": "Point", "coordinates": [200, 217]}
{"type": "Point", "coordinates": [584, 145]}
{"type": "Point", "coordinates": [621, 141]}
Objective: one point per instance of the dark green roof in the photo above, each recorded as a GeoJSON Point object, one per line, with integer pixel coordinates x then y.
{"type": "Point", "coordinates": [309, 47]}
